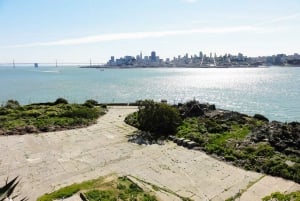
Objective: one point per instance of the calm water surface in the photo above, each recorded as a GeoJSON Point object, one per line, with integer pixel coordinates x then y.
{"type": "Point", "coordinates": [273, 92]}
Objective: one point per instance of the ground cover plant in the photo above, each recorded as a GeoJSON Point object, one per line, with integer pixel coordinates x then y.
{"type": "Point", "coordinates": [110, 188]}
{"type": "Point", "coordinates": [277, 196]}
{"type": "Point", "coordinates": [251, 142]}
{"type": "Point", "coordinates": [42, 117]}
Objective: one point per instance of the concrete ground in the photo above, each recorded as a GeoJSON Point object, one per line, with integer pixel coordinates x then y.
{"type": "Point", "coordinates": [46, 162]}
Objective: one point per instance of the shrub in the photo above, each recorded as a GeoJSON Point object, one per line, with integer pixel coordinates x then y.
{"type": "Point", "coordinates": [60, 101]}
{"type": "Point", "coordinates": [90, 103]}
{"type": "Point", "coordinates": [132, 120]}
{"type": "Point", "coordinates": [261, 117]}
{"type": "Point", "coordinates": [264, 150]}
{"type": "Point", "coordinates": [12, 104]}
{"type": "Point", "coordinates": [81, 112]}
{"type": "Point", "coordinates": [158, 118]}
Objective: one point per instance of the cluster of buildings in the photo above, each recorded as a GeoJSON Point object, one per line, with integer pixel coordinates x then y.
{"type": "Point", "coordinates": [151, 60]}
{"type": "Point", "coordinates": [203, 60]}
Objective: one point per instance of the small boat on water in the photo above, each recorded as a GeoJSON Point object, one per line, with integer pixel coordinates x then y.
{"type": "Point", "coordinates": [36, 65]}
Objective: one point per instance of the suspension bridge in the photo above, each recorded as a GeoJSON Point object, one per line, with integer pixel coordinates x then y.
{"type": "Point", "coordinates": [37, 64]}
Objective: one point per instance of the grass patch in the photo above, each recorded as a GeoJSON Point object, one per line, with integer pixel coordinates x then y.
{"type": "Point", "coordinates": [70, 190]}
{"type": "Point", "coordinates": [277, 196]}
{"type": "Point", "coordinates": [43, 117]}
{"type": "Point", "coordinates": [108, 188]}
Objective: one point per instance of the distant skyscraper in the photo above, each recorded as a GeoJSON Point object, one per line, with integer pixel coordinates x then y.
{"type": "Point", "coordinates": [200, 54]}
{"type": "Point", "coordinates": [153, 56]}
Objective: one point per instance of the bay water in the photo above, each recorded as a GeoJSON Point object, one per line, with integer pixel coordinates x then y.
{"type": "Point", "coordinates": [273, 92]}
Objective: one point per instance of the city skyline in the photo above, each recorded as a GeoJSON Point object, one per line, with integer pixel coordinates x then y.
{"type": "Point", "coordinates": [200, 59]}
{"type": "Point", "coordinates": [64, 30]}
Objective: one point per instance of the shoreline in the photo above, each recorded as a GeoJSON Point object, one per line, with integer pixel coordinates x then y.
{"type": "Point", "coordinates": [195, 67]}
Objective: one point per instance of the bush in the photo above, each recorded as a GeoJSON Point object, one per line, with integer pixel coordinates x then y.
{"type": "Point", "coordinates": [132, 120]}
{"type": "Point", "coordinates": [60, 101]}
{"type": "Point", "coordinates": [90, 103]}
{"type": "Point", "coordinates": [12, 104]}
{"type": "Point", "coordinates": [158, 118]}
{"type": "Point", "coordinates": [81, 112]}
{"type": "Point", "coordinates": [261, 117]}
{"type": "Point", "coordinates": [229, 158]}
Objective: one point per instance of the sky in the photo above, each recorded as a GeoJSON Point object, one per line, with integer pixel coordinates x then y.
{"type": "Point", "coordinates": [84, 30]}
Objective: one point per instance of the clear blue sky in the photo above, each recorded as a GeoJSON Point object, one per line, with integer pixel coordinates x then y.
{"type": "Point", "coordinates": [77, 30]}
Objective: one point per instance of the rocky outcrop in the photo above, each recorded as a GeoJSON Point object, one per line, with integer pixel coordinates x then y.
{"type": "Point", "coordinates": [225, 116]}
{"type": "Point", "coordinates": [195, 109]}
{"type": "Point", "coordinates": [284, 137]}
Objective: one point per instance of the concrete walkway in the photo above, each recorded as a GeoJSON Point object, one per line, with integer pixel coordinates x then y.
{"type": "Point", "coordinates": [46, 162]}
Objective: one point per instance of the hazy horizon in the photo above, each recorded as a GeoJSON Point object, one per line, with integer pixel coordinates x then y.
{"type": "Point", "coordinates": [77, 31]}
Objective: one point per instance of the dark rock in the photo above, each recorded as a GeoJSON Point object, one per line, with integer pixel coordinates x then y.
{"type": "Point", "coordinates": [82, 196]}
{"type": "Point", "coordinates": [260, 134]}
{"type": "Point", "coordinates": [179, 141]}
{"type": "Point", "coordinates": [194, 108]}
{"type": "Point", "coordinates": [261, 117]}
{"type": "Point", "coordinates": [171, 137]}
{"type": "Point", "coordinates": [31, 129]}
{"type": "Point", "coordinates": [225, 116]}
{"type": "Point", "coordinates": [191, 145]}
{"type": "Point", "coordinates": [212, 107]}
{"type": "Point", "coordinates": [195, 111]}
{"type": "Point", "coordinates": [185, 142]}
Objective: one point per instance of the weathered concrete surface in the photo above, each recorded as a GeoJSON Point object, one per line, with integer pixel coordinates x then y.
{"type": "Point", "coordinates": [46, 162]}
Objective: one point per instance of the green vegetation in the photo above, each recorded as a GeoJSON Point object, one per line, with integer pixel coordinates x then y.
{"type": "Point", "coordinates": [7, 190]}
{"type": "Point", "coordinates": [158, 118]}
{"type": "Point", "coordinates": [95, 195]}
{"type": "Point", "coordinates": [277, 196]}
{"type": "Point", "coordinates": [253, 143]}
{"type": "Point", "coordinates": [162, 189]}
{"type": "Point", "coordinates": [230, 141]}
{"type": "Point", "coordinates": [43, 117]}
{"type": "Point", "coordinates": [104, 189]}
